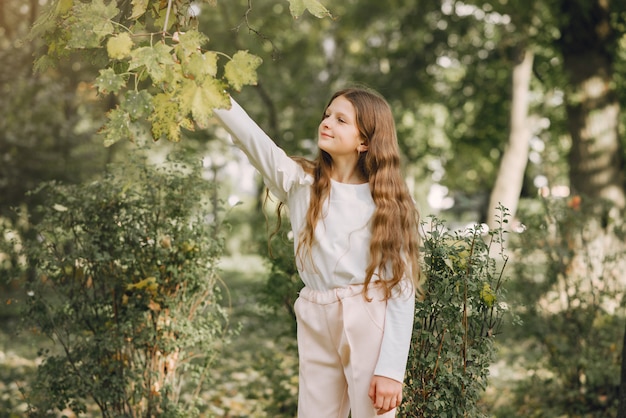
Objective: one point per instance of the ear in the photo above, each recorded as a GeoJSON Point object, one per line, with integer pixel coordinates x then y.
{"type": "Point", "coordinates": [362, 148]}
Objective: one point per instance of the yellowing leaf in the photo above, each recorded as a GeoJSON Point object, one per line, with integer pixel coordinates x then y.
{"type": "Point", "coordinates": [119, 47]}
{"type": "Point", "coordinates": [487, 295]}
{"type": "Point", "coordinates": [64, 6]}
{"type": "Point", "coordinates": [149, 284]}
{"type": "Point", "coordinates": [165, 115]}
{"type": "Point", "coordinates": [167, 118]}
{"type": "Point", "coordinates": [199, 65]}
{"type": "Point", "coordinates": [241, 70]}
{"type": "Point", "coordinates": [201, 99]}
{"type": "Point", "coordinates": [317, 9]}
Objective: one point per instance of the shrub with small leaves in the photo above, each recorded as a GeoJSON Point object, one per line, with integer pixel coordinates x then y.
{"type": "Point", "coordinates": [126, 290]}
{"type": "Point", "coordinates": [456, 322]}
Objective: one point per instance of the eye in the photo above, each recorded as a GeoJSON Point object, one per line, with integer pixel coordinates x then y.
{"type": "Point", "coordinates": [341, 120]}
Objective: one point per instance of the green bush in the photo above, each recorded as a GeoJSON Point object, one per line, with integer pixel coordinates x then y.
{"type": "Point", "coordinates": [570, 263]}
{"type": "Point", "coordinates": [456, 322]}
{"type": "Point", "coordinates": [126, 290]}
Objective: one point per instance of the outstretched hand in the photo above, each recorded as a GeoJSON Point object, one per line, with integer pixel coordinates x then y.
{"type": "Point", "coordinates": [385, 393]}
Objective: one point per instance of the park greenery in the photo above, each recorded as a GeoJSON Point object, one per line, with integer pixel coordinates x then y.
{"type": "Point", "coordinates": [115, 186]}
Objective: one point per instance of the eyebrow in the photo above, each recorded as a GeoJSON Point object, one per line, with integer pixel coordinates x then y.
{"type": "Point", "coordinates": [338, 113]}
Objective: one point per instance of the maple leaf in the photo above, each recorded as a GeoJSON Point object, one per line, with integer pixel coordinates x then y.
{"type": "Point", "coordinates": [167, 118]}
{"type": "Point", "coordinates": [109, 82]}
{"type": "Point", "coordinates": [155, 59]}
{"type": "Point", "coordinates": [117, 127]}
{"type": "Point", "coordinates": [138, 104]}
{"type": "Point", "coordinates": [241, 70]}
{"type": "Point", "coordinates": [91, 23]}
{"type": "Point", "coordinates": [201, 99]}
{"type": "Point", "coordinates": [317, 9]}
{"type": "Point", "coordinates": [190, 42]}
{"type": "Point", "coordinates": [201, 65]}
{"type": "Point", "coordinates": [119, 47]}
{"type": "Point", "coordinates": [139, 8]}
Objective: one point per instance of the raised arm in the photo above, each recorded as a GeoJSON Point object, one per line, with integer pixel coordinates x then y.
{"type": "Point", "coordinates": [279, 171]}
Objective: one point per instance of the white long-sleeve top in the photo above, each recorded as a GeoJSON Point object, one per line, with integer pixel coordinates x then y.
{"type": "Point", "coordinates": [340, 252]}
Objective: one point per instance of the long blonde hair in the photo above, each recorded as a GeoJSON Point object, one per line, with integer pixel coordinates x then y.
{"type": "Point", "coordinates": [394, 248]}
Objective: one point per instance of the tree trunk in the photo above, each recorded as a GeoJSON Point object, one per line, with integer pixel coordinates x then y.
{"type": "Point", "coordinates": [593, 121]}
{"type": "Point", "coordinates": [596, 157]}
{"type": "Point", "coordinates": [508, 186]}
{"type": "Point", "coordinates": [596, 167]}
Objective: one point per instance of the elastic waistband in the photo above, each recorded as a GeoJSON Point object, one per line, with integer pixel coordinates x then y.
{"type": "Point", "coordinates": [325, 297]}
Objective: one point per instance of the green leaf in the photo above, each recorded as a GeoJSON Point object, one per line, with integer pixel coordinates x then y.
{"type": "Point", "coordinates": [138, 104]}
{"type": "Point", "coordinates": [64, 6]}
{"type": "Point", "coordinates": [117, 127]}
{"type": "Point", "coordinates": [139, 8]}
{"type": "Point", "coordinates": [189, 43]}
{"type": "Point", "coordinates": [317, 9]}
{"type": "Point", "coordinates": [91, 23]}
{"type": "Point", "coordinates": [154, 58]}
{"type": "Point", "coordinates": [241, 70]}
{"type": "Point", "coordinates": [201, 99]}
{"type": "Point", "coordinates": [109, 82]}
{"type": "Point", "coordinates": [161, 16]}
{"type": "Point", "coordinates": [43, 63]}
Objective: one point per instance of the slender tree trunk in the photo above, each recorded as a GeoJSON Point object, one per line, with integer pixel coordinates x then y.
{"type": "Point", "coordinates": [510, 178]}
{"type": "Point", "coordinates": [621, 411]}
{"type": "Point", "coordinates": [8, 33]}
{"type": "Point", "coordinates": [34, 10]}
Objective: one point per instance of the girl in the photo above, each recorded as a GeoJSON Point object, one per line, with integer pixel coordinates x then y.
{"type": "Point", "coordinates": [356, 245]}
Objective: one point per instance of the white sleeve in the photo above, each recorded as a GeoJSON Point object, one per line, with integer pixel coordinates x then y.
{"type": "Point", "coordinates": [279, 171]}
{"type": "Point", "coordinates": [394, 351]}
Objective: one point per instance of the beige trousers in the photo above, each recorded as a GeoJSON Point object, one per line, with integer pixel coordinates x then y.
{"type": "Point", "coordinates": [339, 339]}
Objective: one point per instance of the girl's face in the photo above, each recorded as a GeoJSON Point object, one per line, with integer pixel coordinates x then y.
{"type": "Point", "coordinates": [338, 134]}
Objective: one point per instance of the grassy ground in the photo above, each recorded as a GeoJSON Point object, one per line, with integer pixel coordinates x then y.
{"type": "Point", "coordinates": [258, 367]}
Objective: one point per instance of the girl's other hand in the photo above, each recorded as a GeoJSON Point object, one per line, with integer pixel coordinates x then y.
{"type": "Point", "coordinates": [385, 393]}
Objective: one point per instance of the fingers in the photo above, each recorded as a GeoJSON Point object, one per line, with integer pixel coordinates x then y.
{"type": "Point", "coordinates": [388, 404]}
{"type": "Point", "coordinates": [385, 393]}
